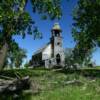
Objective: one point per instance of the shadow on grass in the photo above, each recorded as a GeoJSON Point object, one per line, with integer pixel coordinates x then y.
{"type": "Point", "coordinates": [23, 72]}
{"type": "Point", "coordinates": [93, 73]}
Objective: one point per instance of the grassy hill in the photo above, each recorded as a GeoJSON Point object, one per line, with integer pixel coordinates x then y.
{"type": "Point", "coordinates": [52, 84]}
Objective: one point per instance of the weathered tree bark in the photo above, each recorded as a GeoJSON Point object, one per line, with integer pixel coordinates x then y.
{"type": "Point", "coordinates": [3, 54]}
{"type": "Point", "coordinates": [14, 86]}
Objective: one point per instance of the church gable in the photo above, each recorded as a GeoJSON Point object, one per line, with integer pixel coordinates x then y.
{"type": "Point", "coordinates": [46, 54]}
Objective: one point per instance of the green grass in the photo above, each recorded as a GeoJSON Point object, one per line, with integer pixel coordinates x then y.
{"type": "Point", "coordinates": [50, 84]}
{"type": "Point", "coordinates": [68, 93]}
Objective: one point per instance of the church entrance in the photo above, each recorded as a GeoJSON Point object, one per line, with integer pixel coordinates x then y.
{"type": "Point", "coordinates": [58, 60]}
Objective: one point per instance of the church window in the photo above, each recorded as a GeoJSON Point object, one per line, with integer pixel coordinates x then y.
{"type": "Point", "coordinates": [49, 61]}
{"type": "Point", "coordinates": [58, 43]}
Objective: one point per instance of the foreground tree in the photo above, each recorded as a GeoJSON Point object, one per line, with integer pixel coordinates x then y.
{"type": "Point", "coordinates": [86, 28]}
{"type": "Point", "coordinates": [14, 20]}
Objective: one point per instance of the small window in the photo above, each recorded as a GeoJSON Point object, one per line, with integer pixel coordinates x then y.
{"type": "Point", "coordinates": [49, 61]}
{"type": "Point", "coordinates": [58, 43]}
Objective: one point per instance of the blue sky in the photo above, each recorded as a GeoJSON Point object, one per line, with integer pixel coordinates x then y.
{"type": "Point", "coordinates": [45, 27]}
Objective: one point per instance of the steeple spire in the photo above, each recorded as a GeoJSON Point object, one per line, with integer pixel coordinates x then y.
{"type": "Point", "coordinates": [56, 27]}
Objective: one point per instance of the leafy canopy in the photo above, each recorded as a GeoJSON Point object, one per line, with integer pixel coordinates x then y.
{"type": "Point", "coordinates": [86, 27]}
{"type": "Point", "coordinates": [14, 20]}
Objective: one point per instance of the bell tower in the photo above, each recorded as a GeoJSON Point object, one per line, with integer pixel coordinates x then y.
{"type": "Point", "coordinates": [56, 45]}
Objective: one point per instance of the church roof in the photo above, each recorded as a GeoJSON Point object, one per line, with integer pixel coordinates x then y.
{"type": "Point", "coordinates": [56, 27]}
{"type": "Point", "coordinates": [41, 49]}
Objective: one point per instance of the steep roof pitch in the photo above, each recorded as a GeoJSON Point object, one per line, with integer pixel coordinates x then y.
{"type": "Point", "coordinates": [41, 49]}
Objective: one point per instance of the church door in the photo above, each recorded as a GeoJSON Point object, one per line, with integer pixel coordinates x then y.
{"type": "Point", "coordinates": [58, 60]}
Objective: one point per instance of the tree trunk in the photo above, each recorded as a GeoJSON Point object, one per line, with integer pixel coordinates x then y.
{"type": "Point", "coordinates": [3, 54]}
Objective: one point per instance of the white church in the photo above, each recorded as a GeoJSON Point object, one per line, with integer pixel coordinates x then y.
{"type": "Point", "coordinates": [52, 54]}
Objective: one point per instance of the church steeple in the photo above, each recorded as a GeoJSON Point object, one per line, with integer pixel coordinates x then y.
{"type": "Point", "coordinates": [56, 30]}
{"type": "Point", "coordinates": [56, 39]}
{"type": "Point", "coordinates": [57, 52]}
